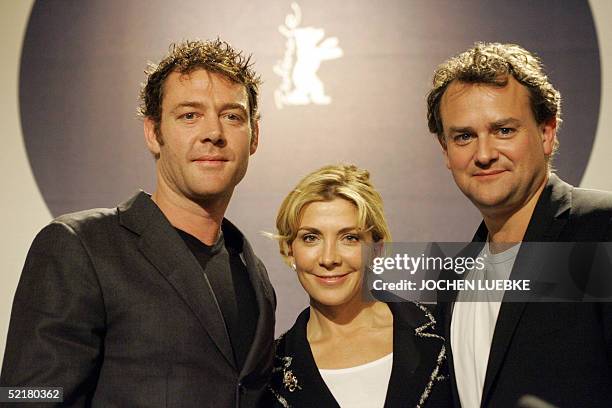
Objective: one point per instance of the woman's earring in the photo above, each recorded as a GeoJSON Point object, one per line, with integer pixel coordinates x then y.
{"type": "Point", "coordinates": [293, 266]}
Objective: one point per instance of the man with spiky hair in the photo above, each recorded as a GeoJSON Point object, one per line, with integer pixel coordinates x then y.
{"type": "Point", "coordinates": [496, 116]}
{"type": "Point", "coordinates": [160, 301]}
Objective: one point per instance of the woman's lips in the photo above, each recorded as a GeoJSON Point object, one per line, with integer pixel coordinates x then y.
{"type": "Point", "coordinates": [331, 279]}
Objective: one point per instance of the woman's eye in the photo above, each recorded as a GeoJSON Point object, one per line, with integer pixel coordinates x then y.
{"type": "Point", "coordinates": [309, 238]}
{"type": "Point", "coordinates": [352, 238]}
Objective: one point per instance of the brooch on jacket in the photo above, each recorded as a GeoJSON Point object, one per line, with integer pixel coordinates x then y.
{"type": "Point", "coordinates": [288, 379]}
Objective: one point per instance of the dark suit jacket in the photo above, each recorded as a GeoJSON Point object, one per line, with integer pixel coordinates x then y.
{"type": "Point", "coordinates": [418, 375]}
{"type": "Point", "coordinates": [112, 306]}
{"type": "Point", "coordinates": [559, 352]}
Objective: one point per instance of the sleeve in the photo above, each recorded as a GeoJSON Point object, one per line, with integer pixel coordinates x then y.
{"type": "Point", "coordinates": [56, 329]}
{"type": "Point", "coordinates": [606, 309]}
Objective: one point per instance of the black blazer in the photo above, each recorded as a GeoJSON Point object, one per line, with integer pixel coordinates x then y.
{"type": "Point", "coordinates": [559, 352]}
{"type": "Point", "coordinates": [112, 306]}
{"type": "Point", "coordinates": [418, 375]}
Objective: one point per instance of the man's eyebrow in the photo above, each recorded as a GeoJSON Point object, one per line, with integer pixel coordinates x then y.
{"type": "Point", "coordinates": [187, 104]}
{"type": "Point", "coordinates": [505, 122]}
{"type": "Point", "coordinates": [461, 129]}
{"type": "Point", "coordinates": [200, 105]}
{"type": "Point", "coordinates": [234, 105]}
{"type": "Point", "coordinates": [510, 121]}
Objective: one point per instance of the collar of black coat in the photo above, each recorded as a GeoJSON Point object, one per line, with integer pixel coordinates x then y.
{"type": "Point", "coordinates": [554, 202]}
{"type": "Point", "coordinates": [164, 248]}
{"type": "Point", "coordinates": [418, 361]}
{"type": "Point", "coordinates": [137, 212]}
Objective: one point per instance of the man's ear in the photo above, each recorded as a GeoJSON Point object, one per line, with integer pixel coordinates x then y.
{"type": "Point", "coordinates": [442, 141]}
{"type": "Point", "coordinates": [151, 138]}
{"type": "Point", "coordinates": [548, 130]}
{"type": "Point", "coordinates": [254, 137]}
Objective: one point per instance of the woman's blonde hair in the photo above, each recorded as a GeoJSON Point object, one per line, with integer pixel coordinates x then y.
{"type": "Point", "coordinates": [344, 181]}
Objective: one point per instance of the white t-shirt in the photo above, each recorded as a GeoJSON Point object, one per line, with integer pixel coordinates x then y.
{"type": "Point", "coordinates": [362, 386]}
{"type": "Point", "coordinates": [473, 323]}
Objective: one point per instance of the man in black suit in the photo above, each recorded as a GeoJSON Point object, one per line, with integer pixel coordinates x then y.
{"type": "Point", "coordinates": [160, 301]}
{"type": "Point", "coordinates": [496, 115]}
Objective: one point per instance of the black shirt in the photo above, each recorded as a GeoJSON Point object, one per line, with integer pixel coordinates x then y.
{"type": "Point", "coordinates": [232, 287]}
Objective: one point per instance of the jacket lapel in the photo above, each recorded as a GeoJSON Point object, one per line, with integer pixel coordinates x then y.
{"type": "Point", "coordinates": [414, 337]}
{"type": "Point", "coordinates": [314, 391]}
{"type": "Point", "coordinates": [164, 248]}
{"type": "Point", "coordinates": [545, 225]}
{"type": "Point", "coordinates": [264, 294]}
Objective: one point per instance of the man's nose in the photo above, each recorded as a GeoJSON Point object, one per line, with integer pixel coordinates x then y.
{"type": "Point", "coordinates": [486, 152]}
{"type": "Point", "coordinates": [213, 131]}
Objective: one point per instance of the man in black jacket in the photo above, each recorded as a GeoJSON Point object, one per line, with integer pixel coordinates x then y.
{"type": "Point", "coordinates": [496, 115]}
{"type": "Point", "coordinates": [160, 301]}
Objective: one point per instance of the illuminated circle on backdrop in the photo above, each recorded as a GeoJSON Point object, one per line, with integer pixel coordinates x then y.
{"type": "Point", "coordinates": [83, 62]}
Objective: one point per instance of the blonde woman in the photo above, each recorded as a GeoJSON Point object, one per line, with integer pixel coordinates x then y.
{"type": "Point", "coordinates": [345, 350]}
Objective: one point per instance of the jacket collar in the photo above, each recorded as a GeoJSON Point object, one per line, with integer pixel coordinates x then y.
{"type": "Point", "coordinates": [418, 360]}
{"type": "Point", "coordinates": [552, 206]}
{"type": "Point", "coordinates": [164, 248]}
